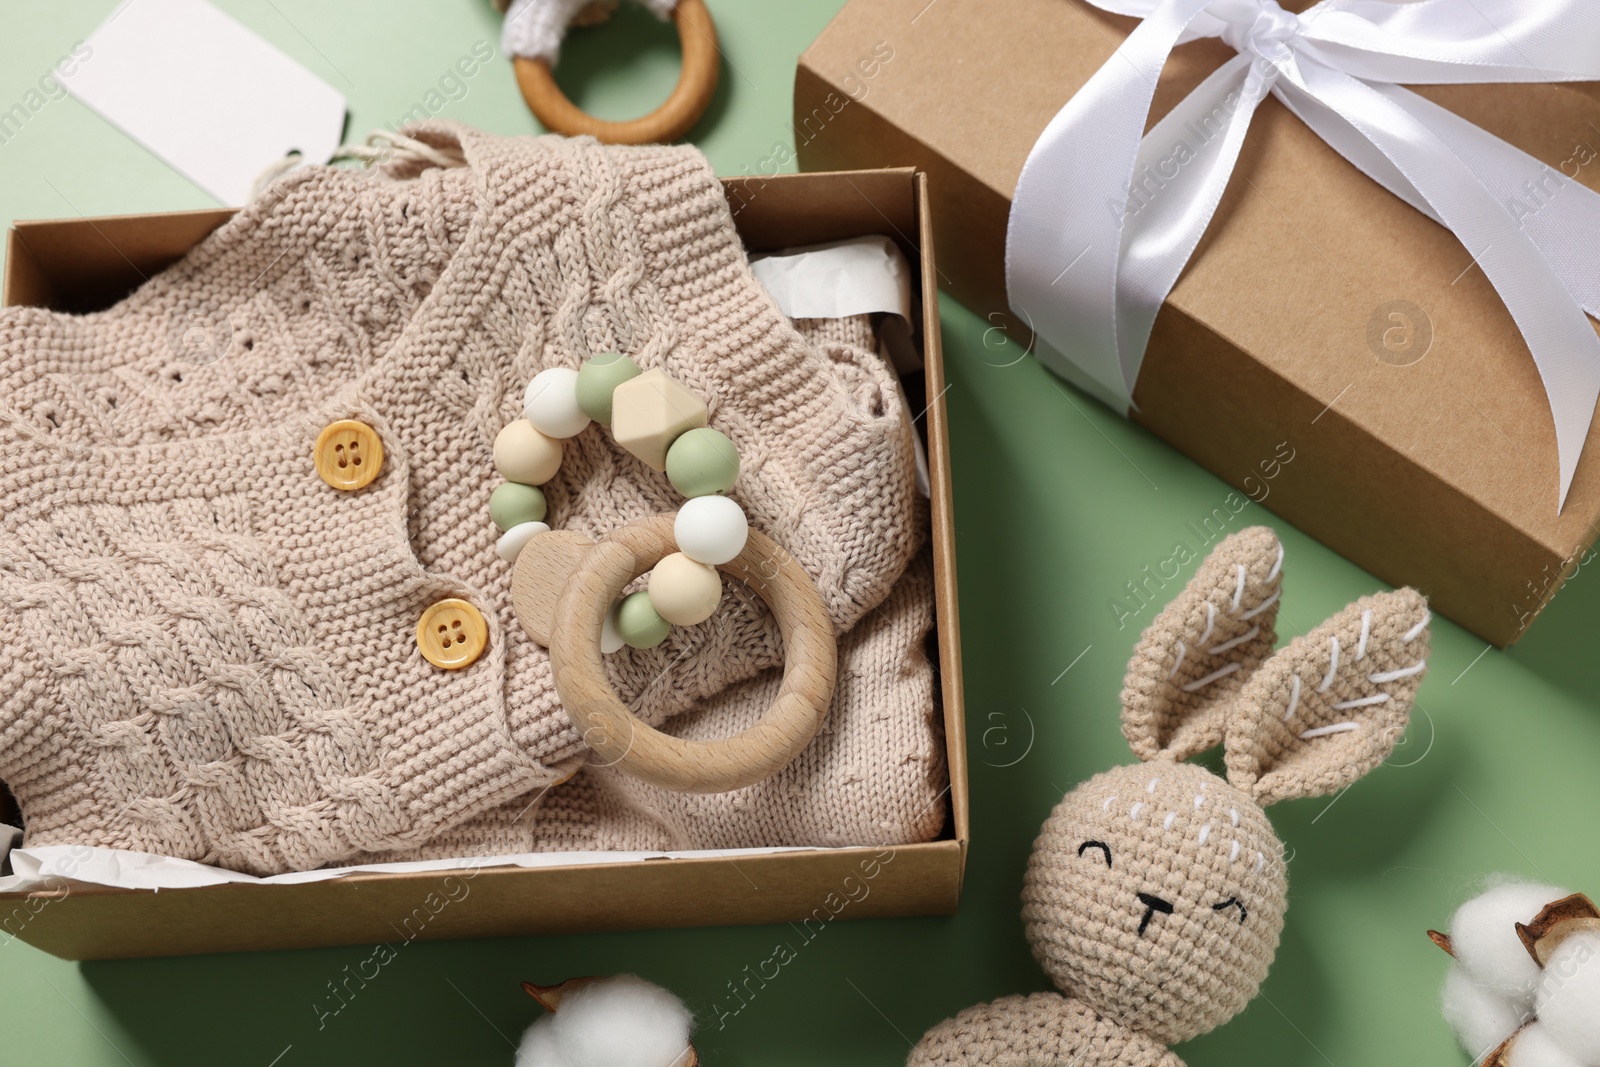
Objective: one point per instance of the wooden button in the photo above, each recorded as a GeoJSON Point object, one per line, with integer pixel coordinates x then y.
{"type": "Point", "coordinates": [348, 455]}
{"type": "Point", "coordinates": [452, 634]}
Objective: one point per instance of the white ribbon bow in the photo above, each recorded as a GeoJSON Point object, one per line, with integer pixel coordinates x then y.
{"type": "Point", "coordinates": [1090, 280]}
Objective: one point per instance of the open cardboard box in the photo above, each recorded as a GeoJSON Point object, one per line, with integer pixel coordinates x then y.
{"type": "Point", "coordinates": [83, 264]}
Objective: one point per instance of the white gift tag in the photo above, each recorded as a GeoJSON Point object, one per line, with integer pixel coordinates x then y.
{"type": "Point", "coordinates": [204, 93]}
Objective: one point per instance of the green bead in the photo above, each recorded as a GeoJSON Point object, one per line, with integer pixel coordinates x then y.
{"type": "Point", "coordinates": [598, 379]}
{"type": "Point", "coordinates": [702, 462]}
{"type": "Point", "coordinates": [513, 504]}
{"type": "Point", "coordinates": [637, 622]}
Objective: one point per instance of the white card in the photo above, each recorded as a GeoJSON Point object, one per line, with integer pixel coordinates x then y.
{"type": "Point", "coordinates": [204, 93]}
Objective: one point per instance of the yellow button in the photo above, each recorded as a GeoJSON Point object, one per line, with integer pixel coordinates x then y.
{"type": "Point", "coordinates": [452, 634]}
{"type": "Point", "coordinates": [349, 454]}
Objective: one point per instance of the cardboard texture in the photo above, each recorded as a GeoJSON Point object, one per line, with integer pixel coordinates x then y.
{"type": "Point", "coordinates": [82, 264]}
{"type": "Point", "coordinates": [1433, 466]}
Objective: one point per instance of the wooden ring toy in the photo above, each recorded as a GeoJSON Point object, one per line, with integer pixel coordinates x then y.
{"type": "Point", "coordinates": [697, 81]}
{"type": "Point", "coordinates": [620, 739]}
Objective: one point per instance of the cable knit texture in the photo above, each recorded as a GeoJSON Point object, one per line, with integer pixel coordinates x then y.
{"type": "Point", "coordinates": [220, 660]}
{"type": "Point", "coordinates": [874, 775]}
{"type": "Point", "coordinates": [1155, 894]}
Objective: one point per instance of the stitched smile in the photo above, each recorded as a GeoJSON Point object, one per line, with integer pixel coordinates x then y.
{"type": "Point", "coordinates": [1152, 904]}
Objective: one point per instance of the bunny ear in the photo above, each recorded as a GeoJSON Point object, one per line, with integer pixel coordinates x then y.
{"type": "Point", "coordinates": [1331, 706]}
{"type": "Point", "coordinates": [1192, 660]}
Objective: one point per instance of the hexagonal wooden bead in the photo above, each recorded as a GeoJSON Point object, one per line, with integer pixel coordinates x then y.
{"type": "Point", "coordinates": [649, 412]}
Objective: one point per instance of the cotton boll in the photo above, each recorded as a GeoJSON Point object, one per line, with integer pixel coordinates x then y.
{"type": "Point", "coordinates": [1536, 1046]}
{"type": "Point", "coordinates": [1568, 1001]}
{"type": "Point", "coordinates": [541, 1047]}
{"type": "Point", "coordinates": [1481, 1020]}
{"type": "Point", "coordinates": [1483, 935]}
{"type": "Point", "coordinates": [624, 1022]}
{"type": "Point", "coordinates": [612, 1022]}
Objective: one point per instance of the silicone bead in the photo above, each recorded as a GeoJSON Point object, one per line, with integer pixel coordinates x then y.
{"type": "Point", "coordinates": [638, 623]}
{"type": "Point", "coordinates": [513, 504]}
{"type": "Point", "coordinates": [701, 462]}
{"type": "Point", "coordinates": [710, 529]}
{"type": "Point", "coordinates": [523, 454]}
{"type": "Point", "coordinates": [551, 403]}
{"type": "Point", "coordinates": [683, 591]}
{"type": "Point", "coordinates": [598, 378]}
{"type": "Point", "coordinates": [650, 412]}
{"type": "Point", "coordinates": [610, 639]}
{"type": "Point", "coordinates": [514, 540]}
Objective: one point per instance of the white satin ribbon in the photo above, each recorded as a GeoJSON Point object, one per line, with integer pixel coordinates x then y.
{"type": "Point", "coordinates": [1104, 221]}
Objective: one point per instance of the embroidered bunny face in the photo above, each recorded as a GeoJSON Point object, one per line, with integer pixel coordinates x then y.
{"type": "Point", "coordinates": [1156, 892]}
{"type": "Point", "coordinates": [1156, 895]}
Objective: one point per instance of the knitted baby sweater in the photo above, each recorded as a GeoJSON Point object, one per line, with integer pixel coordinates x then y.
{"type": "Point", "coordinates": [214, 651]}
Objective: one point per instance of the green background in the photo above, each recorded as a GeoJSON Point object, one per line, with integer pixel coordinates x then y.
{"type": "Point", "coordinates": [1058, 504]}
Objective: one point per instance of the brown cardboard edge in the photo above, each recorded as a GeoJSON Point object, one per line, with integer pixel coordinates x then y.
{"type": "Point", "coordinates": [120, 923]}
{"type": "Point", "coordinates": [946, 609]}
{"type": "Point", "coordinates": [373, 908]}
{"type": "Point", "coordinates": [25, 284]}
{"type": "Point", "coordinates": [125, 251]}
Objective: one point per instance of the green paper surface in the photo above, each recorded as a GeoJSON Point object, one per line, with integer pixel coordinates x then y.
{"type": "Point", "coordinates": [1060, 505]}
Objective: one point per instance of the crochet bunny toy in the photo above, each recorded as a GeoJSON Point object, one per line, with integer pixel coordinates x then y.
{"type": "Point", "coordinates": [1156, 892]}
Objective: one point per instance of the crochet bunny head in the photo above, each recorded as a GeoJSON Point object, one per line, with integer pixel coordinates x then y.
{"type": "Point", "coordinates": [1156, 892]}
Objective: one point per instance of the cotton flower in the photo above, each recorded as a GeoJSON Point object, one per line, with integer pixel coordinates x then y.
{"type": "Point", "coordinates": [622, 1021]}
{"type": "Point", "coordinates": [1524, 990]}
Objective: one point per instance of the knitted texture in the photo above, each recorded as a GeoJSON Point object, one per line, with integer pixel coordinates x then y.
{"type": "Point", "coordinates": [1156, 893]}
{"type": "Point", "coordinates": [1223, 621]}
{"type": "Point", "coordinates": [1041, 1030]}
{"type": "Point", "coordinates": [874, 775]}
{"type": "Point", "coordinates": [224, 666]}
{"type": "Point", "coordinates": [1172, 832]}
{"type": "Point", "coordinates": [1363, 666]}
{"type": "Point", "coordinates": [536, 28]}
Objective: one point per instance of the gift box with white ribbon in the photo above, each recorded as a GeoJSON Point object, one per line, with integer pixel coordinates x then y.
{"type": "Point", "coordinates": [1362, 230]}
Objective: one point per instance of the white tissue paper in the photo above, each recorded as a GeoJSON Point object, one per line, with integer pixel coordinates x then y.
{"type": "Point", "coordinates": [860, 276]}
{"type": "Point", "coordinates": [47, 866]}
{"type": "Point", "coordinates": [10, 837]}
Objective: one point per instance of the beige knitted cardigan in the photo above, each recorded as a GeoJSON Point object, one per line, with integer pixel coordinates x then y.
{"type": "Point", "coordinates": [213, 652]}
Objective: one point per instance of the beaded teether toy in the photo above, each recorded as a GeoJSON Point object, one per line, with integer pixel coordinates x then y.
{"type": "Point", "coordinates": [565, 589]}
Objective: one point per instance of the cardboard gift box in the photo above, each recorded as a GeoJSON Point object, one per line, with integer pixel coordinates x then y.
{"type": "Point", "coordinates": [84, 264]}
{"type": "Point", "coordinates": [1321, 317]}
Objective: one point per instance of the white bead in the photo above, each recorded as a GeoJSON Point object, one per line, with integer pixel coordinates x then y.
{"type": "Point", "coordinates": [711, 529]}
{"type": "Point", "coordinates": [610, 640]}
{"type": "Point", "coordinates": [514, 540]}
{"type": "Point", "coordinates": [683, 591]}
{"type": "Point", "coordinates": [551, 403]}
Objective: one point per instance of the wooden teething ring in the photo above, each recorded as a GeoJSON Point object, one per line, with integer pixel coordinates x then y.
{"type": "Point", "coordinates": [619, 739]}
{"type": "Point", "coordinates": [697, 81]}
